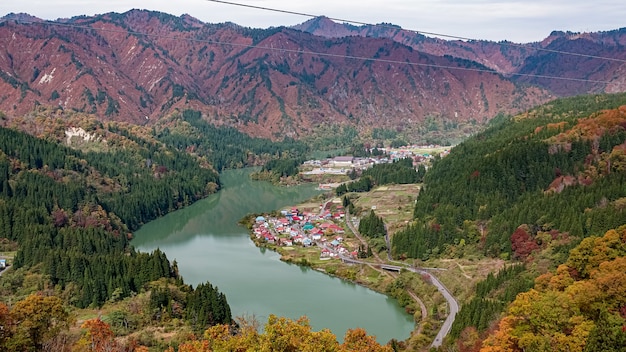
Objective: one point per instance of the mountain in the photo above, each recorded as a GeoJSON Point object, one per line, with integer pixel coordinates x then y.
{"type": "Point", "coordinates": [140, 66]}
{"type": "Point", "coordinates": [522, 62]}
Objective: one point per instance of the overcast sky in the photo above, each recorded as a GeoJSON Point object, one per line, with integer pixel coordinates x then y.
{"type": "Point", "coordinates": [520, 21]}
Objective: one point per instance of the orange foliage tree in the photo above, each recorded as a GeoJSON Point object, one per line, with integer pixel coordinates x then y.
{"type": "Point", "coordinates": [581, 307]}
{"type": "Point", "coordinates": [281, 334]}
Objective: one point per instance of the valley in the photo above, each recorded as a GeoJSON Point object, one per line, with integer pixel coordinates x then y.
{"type": "Point", "coordinates": [127, 144]}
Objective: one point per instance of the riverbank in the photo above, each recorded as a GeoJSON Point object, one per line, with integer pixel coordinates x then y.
{"type": "Point", "coordinates": [318, 236]}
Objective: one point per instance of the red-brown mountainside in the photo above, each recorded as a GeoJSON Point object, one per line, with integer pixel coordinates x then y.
{"type": "Point", "coordinates": [522, 62]}
{"type": "Point", "coordinates": [140, 66]}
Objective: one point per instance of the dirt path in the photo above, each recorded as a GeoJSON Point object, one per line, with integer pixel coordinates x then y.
{"type": "Point", "coordinates": [463, 271]}
{"type": "Point", "coordinates": [423, 309]}
{"type": "Point", "coordinates": [356, 233]}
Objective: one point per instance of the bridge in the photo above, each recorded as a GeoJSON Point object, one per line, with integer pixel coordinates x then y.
{"type": "Point", "coordinates": [391, 267]}
{"type": "Point", "coordinates": [387, 267]}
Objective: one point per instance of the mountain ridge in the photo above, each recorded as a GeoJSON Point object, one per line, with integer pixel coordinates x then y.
{"type": "Point", "coordinates": [140, 66]}
{"type": "Point", "coordinates": [507, 58]}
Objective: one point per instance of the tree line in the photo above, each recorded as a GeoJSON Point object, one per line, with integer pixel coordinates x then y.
{"type": "Point", "coordinates": [225, 147]}
{"type": "Point", "coordinates": [372, 225]}
{"type": "Point", "coordinates": [400, 171]}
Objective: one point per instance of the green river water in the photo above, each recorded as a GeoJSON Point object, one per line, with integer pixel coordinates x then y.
{"type": "Point", "coordinates": [209, 245]}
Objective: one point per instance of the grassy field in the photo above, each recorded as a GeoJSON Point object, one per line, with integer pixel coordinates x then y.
{"type": "Point", "coordinates": [393, 203]}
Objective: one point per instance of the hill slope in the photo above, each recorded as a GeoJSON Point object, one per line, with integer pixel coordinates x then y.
{"type": "Point", "coordinates": [560, 167]}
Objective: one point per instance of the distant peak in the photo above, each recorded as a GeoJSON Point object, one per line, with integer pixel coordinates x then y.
{"type": "Point", "coordinates": [20, 17]}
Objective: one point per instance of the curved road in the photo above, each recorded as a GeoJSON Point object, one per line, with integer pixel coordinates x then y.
{"type": "Point", "coordinates": [452, 303]}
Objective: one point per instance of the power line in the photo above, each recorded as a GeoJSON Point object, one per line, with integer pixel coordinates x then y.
{"type": "Point", "coordinates": [382, 25]}
{"type": "Point", "coordinates": [308, 52]}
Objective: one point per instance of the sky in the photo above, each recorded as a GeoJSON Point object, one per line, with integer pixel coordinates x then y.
{"type": "Point", "coordinates": [519, 21]}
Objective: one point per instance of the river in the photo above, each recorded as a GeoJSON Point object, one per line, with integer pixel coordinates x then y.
{"type": "Point", "coordinates": [209, 245]}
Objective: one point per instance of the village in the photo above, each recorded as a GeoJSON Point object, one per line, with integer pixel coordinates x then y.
{"type": "Point", "coordinates": [307, 229]}
{"type": "Point", "coordinates": [325, 228]}
{"type": "Point", "coordinates": [420, 154]}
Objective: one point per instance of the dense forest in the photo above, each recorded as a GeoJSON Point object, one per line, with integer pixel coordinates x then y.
{"type": "Point", "coordinates": [400, 171]}
{"type": "Point", "coordinates": [492, 295]}
{"type": "Point", "coordinates": [224, 147]}
{"type": "Point", "coordinates": [558, 167]}
{"type": "Point", "coordinates": [70, 212]}
{"type": "Point", "coordinates": [372, 225]}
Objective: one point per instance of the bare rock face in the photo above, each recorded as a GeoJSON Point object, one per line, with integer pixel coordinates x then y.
{"type": "Point", "coordinates": [140, 66]}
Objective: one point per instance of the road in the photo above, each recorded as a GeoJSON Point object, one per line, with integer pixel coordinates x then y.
{"type": "Point", "coordinates": [452, 304]}
{"type": "Point", "coordinates": [4, 270]}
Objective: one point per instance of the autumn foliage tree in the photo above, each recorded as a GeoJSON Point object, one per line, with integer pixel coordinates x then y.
{"type": "Point", "coordinates": [579, 308]}
{"type": "Point", "coordinates": [280, 334]}
{"type": "Point", "coordinates": [33, 321]}
{"type": "Point", "coordinates": [98, 337]}
{"type": "Point", "coordinates": [522, 243]}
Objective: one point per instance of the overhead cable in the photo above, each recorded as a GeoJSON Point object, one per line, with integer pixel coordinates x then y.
{"type": "Point", "coordinates": [387, 26]}
{"type": "Point", "coordinates": [307, 52]}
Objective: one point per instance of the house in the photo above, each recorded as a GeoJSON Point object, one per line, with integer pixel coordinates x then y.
{"type": "Point", "coordinates": [343, 161]}
{"type": "Point", "coordinates": [307, 242]}
{"type": "Point", "coordinates": [316, 231]}
{"type": "Point", "coordinates": [335, 228]}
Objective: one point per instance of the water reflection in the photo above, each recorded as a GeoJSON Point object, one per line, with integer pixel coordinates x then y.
{"type": "Point", "coordinates": [209, 246]}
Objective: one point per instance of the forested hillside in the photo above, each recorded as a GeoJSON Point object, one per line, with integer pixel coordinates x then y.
{"type": "Point", "coordinates": [579, 307]}
{"type": "Point", "coordinates": [559, 170]}
{"type": "Point", "coordinates": [70, 212]}
{"type": "Point", "coordinates": [529, 189]}
{"type": "Point", "coordinates": [223, 147]}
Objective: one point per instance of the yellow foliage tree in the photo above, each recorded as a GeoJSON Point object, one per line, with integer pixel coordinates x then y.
{"type": "Point", "coordinates": [558, 315]}
{"type": "Point", "coordinates": [37, 319]}
{"type": "Point", "coordinates": [284, 335]}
